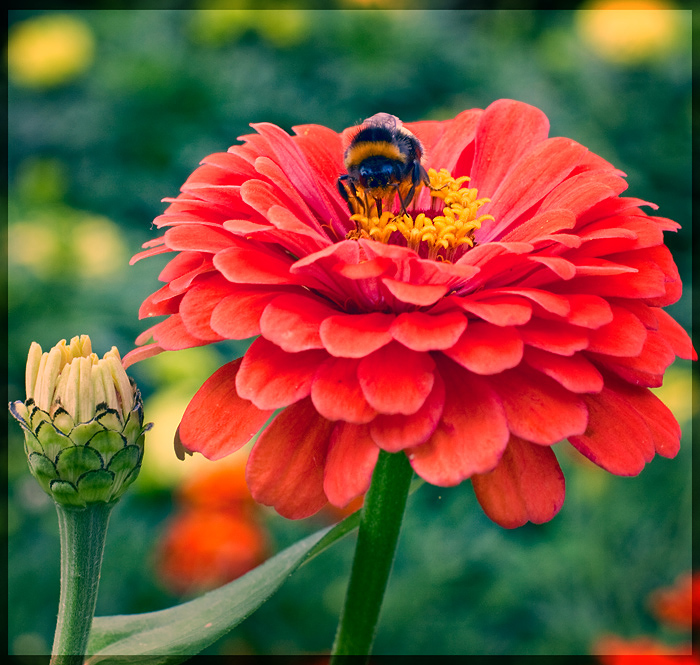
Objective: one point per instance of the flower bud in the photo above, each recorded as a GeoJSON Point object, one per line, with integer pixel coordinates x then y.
{"type": "Point", "coordinates": [82, 422]}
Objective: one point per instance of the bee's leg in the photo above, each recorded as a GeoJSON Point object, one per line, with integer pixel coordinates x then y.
{"type": "Point", "coordinates": [378, 201]}
{"type": "Point", "coordinates": [342, 187]}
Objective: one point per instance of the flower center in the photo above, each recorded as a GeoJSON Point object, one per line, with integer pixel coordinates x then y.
{"type": "Point", "coordinates": [438, 232]}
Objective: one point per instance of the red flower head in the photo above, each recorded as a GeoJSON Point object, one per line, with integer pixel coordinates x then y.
{"type": "Point", "coordinates": [488, 294]}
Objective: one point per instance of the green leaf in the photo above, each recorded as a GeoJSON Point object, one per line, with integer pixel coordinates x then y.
{"type": "Point", "coordinates": [175, 634]}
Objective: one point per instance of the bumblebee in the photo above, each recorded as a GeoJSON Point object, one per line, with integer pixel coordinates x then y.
{"type": "Point", "coordinates": [383, 160]}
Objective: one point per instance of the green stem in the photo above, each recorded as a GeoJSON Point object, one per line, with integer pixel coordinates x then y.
{"type": "Point", "coordinates": [82, 533]}
{"type": "Point", "coordinates": [378, 535]}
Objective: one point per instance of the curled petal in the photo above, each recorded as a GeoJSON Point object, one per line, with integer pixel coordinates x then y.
{"type": "Point", "coordinates": [617, 437]}
{"type": "Point", "coordinates": [537, 408]}
{"type": "Point", "coordinates": [575, 373]}
{"type": "Point", "coordinates": [352, 455]}
{"type": "Point", "coordinates": [396, 432]}
{"type": "Point", "coordinates": [217, 422]}
{"type": "Point", "coordinates": [471, 435]}
{"type": "Point", "coordinates": [526, 486]}
{"type": "Point", "coordinates": [292, 321]}
{"type": "Point", "coordinates": [396, 379]}
{"type": "Point", "coordinates": [285, 467]}
{"type": "Point", "coordinates": [426, 332]}
{"type": "Point", "coordinates": [355, 336]}
{"type": "Point", "coordinates": [487, 349]}
{"type": "Point", "coordinates": [336, 392]}
{"type": "Point", "coordinates": [272, 378]}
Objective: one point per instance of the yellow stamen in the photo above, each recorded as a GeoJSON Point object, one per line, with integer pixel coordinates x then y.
{"type": "Point", "coordinates": [453, 226]}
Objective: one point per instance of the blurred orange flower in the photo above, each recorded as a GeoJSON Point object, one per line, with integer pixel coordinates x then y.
{"type": "Point", "coordinates": [216, 535]}
{"type": "Point", "coordinates": [203, 549]}
{"type": "Point", "coordinates": [643, 651]}
{"type": "Point", "coordinates": [677, 605]}
{"type": "Point", "coordinates": [674, 605]}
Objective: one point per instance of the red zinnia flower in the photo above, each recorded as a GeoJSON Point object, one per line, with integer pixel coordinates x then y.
{"type": "Point", "coordinates": [496, 318]}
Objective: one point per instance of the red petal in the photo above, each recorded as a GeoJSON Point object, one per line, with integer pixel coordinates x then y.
{"type": "Point", "coordinates": [487, 349]}
{"type": "Point", "coordinates": [554, 336]}
{"type": "Point", "coordinates": [272, 378]}
{"type": "Point", "coordinates": [248, 265]}
{"type": "Point", "coordinates": [575, 373]}
{"type": "Point", "coordinates": [623, 336]}
{"type": "Point", "coordinates": [456, 136]}
{"type": "Point", "coordinates": [336, 392]}
{"type": "Point", "coordinates": [141, 353]}
{"type": "Point", "coordinates": [171, 335]}
{"type": "Point", "coordinates": [471, 435]}
{"type": "Point", "coordinates": [535, 175]}
{"type": "Point", "coordinates": [651, 363]}
{"type": "Point", "coordinates": [499, 310]}
{"type": "Point", "coordinates": [198, 237]}
{"type": "Point", "coordinates": [588, 311]}
{"type": "Point", "coordinates": [292, 322]}
{"type": "Point", "coordinates": [199, 302]}
{"type": "Point", "coordinates": [426, 332]}
{"type": "Point", "coordinates": [217, 422]}
{"type": "Point", "coordinates": [507, 130]}
{"type": "Point", "coordinates": [356, 335]}
{"type": "Point", "coordinates": [395, 379]}
{"type": "Point", "coordinates": [396, 432]}
{"type": "Point", "coordinates": [537, 408]}
{"type": "Point", "coordinates": [415, 294]}
{"type": "Point", "coordinates": [617, 437]}
{"type": "Point", "coordinates": [676, 337]}
{"type": "Point", "coordinates": [285, 467]}
{"type": "Point", "coordinates": [182, 264]}
{"type": "Point", "coordinates": [662, 424]}
{"type": "Point", "coordinates": [550, 302]}
{"type": "Point", "coordinates": [542, 224]}
{"type": "Point", "coordinates": [526, 486]}
{"type": "Point", "coordinates": [351, 458]}
{"type": "Point", "coordinates": [238, 316]}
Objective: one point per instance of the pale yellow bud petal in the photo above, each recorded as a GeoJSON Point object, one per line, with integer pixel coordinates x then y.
{"type": "Point", "coordinates": [32, 371]}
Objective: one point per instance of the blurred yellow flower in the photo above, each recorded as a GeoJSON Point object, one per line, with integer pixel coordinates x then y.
{"type": "Point", "coordinates": [48, 50]}
{"type": "Point", "coordinates": [281, 27]}
{"type": "Point", "coordinates": [61, 240]}
{"type": "Point", "coordinates": [628, 32]}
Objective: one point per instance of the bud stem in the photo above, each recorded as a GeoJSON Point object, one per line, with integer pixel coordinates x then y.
{"type": "Point", "coordinates": [82, 533]}
{"type": "Point", "coordinates": [380, 523]}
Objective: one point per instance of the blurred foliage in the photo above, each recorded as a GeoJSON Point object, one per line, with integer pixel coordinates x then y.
{"type": "Point", "coordinates": [109, 112]}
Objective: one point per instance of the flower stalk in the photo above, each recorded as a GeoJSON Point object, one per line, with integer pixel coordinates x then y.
{"type": "Point", "coordinates": [380, 524]}
{"type": "Point", "coordinates": [82, 536]}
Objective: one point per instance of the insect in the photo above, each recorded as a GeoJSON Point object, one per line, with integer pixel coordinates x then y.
{"type": "Point", "coordinates": [382, 160]}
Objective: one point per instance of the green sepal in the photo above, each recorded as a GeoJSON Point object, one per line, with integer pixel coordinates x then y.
{"type": "Point", "coordinates": [43, 469]}
{"type": "Point", "coordinates": [37, 417]}
{"type": "Point", "coordinates": [123, 464]}
{"type": "Point", "coordinates": [108, 444]}
{"type": "Point", "coordinates": [84, 432]}
{"type": "Point", "coordinates": [63, 421]}
{"type": "Point", "coordinates": [95, 486]}
{"type": "Point", "coordinates": [73, 462]}
{"type": "Point", "coordinates": [65, 493]}
{"type": "Point", "coordinates": [110, 420]}
{"type": "Point", "coordinates": [52, 440]}
{"type": "Point", "coordinates": [132, 428]}
{"type": "Point", "coordinates": [32, 444]}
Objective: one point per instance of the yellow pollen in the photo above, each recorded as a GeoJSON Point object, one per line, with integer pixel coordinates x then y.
{"type": "Point", "coordinates": [443, 233]}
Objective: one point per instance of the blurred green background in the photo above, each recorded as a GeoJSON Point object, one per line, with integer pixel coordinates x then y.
{"type": "Point", "coordinates": [109, 112]}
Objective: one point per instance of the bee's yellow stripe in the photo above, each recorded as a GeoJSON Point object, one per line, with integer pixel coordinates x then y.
{"type": "Point", "coordinates": [360, 151]}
